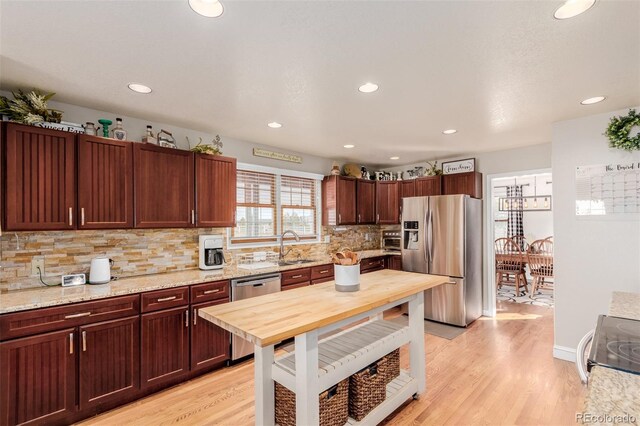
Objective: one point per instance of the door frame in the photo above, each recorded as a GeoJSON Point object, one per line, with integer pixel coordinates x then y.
{"type": "Point", "coordinates": [489, 229]}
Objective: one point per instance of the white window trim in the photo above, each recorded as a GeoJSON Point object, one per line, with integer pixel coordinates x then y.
{"type": "Point", "coordinates": [278, 173]}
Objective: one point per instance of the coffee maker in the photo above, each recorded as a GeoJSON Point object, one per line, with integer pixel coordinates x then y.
{"type": "Point", "coordinates": [211, 256]}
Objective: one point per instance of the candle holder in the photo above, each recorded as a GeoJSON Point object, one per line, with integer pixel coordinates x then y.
{"type": "Point", "coordinates": [105, 126]}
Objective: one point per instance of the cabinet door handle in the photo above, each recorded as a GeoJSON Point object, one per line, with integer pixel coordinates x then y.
{"type": "Point", "coordinates": [84, 341]}
{"type": "Point", "coordinates": [81, 314]}
{"type": "Point", "coordinates": [339, 218]}
{"type": "Point", "coordinates": [296, 276]}
{"type": "Point", "coordinates": [186, 318]}
{"type": "Point", "coordinates": [235, 214]}
{"type": "Point", "coordinates": [70, 216]}
{"type": "Point", "coordinates": [71, 343]}
{"type": "Point", "coordinates": [193, 217]}
{"type": "Point", "coordinates": [358, 217]}
{"type": "Point", "coordinates": [211, 291]}
{"type": "Point", "coordinates": [166, 299]}
{"type": "Point", "coordinates": [378, 218]}
{"type": "Point", "coordinates": [195, 316]}
{"type": "Point", "coordinates": [82, 216]}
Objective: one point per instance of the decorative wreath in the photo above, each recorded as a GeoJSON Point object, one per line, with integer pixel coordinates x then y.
{"type": "Point", "coordinates": [619, 131]}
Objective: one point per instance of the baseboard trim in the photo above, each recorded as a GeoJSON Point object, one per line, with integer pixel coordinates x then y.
{"type": "Point", "coordinates": [564, 353]}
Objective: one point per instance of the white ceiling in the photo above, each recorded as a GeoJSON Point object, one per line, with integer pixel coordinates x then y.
{"type": "Point", "coordinates": [500, 72]}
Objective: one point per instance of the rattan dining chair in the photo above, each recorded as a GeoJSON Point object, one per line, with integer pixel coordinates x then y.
{"type": "Point", "coordinates": [510, 262]}
{"type": "Point", "coordinates": [540, 260]}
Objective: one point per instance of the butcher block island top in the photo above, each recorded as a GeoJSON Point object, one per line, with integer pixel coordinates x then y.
{"type": "Point", "coordinates": [272, 318]}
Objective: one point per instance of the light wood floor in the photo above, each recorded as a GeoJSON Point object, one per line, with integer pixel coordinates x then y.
{"type": "Point", "coordinates": [500, 371]}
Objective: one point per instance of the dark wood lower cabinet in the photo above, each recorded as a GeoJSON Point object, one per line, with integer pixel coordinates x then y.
{"type": "Point", "coordinates": [209, 343]}
{"type": "Point", "coordinates": [109, 361]}
{"type": "Point", "coordinates": [38, 378]}
{"type": "Point", "coordinates": [394, 262]}
{"type": "Point", "coordinates": [298, 285]}
{"type": "Point", "coordinates": [164, 346]}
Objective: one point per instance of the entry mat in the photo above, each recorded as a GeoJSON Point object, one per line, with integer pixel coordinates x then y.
{"type": "Point", "coordinates": [445, 331]}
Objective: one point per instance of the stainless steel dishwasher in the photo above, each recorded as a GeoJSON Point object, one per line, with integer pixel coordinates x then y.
{"type": "Point", "coordinates": [245, 288]}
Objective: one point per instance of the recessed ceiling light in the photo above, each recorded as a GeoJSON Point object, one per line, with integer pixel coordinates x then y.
{"type": "Point", "coordinates": [449, 132]}
{"type": "Point", "coordinates": [394, 158]}
{"type": "Point", "coordinates": [368, 88]}
{"type": "Point", "coordinates": [593, 100]}
{"type": "Point", "coordinates": [274, 125]}
{"type": "Point", "coordinates": [572, 8]}
{"type": "Point", "coordinates": [139, 88]}
{"type": "Point", "coordinates": [349, 146]}
{"type": "Point", "coordinates": [207, 8]}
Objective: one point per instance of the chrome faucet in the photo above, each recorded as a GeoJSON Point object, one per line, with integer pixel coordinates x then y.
{"type": "Point", "coordinates": [282, 253]}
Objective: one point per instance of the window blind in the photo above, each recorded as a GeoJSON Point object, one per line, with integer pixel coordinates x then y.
{"type": "Point", "coordinates": [298, 205]}
{"type": "Point", "coordinates": [256, 206]}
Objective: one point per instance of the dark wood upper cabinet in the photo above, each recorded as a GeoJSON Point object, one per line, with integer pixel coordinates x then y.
{"type": "Point", "coordinates": [164, 189]}
{"type": "Point", "coordinates": [109, 361]}
{"type": "Point", "coordinates": [164, 351]}
{"type": "Point", "coordinates": [428, 185]}
{"type": "Point", "coordinates": [215, 190]}
{"type": "Point", "coordinates": [38, 378]}
{"type": "Point", "coordinates": [339, 200]}
{"type": "Point", "coordinates": [407, 188]}
{"type": "Point", "coordinates": [105, 183]}
{"type": "Point", "coordinates": [366, 202]}
{"type": "Point", "coordinates": [39, 174]}
{"type": "Point", "coordinates": [387, 204]}
{"type": "Point", "coordinates": [463, 183]}
{"type": "Point", "coordinates": [209, 343]}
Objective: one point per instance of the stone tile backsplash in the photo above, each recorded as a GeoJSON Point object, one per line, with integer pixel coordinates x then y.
{"type": "Point", "coordinates": [145, 251]}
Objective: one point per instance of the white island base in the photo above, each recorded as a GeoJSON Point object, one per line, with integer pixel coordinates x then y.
{"type": "Point", "coordinates": [317, 365]}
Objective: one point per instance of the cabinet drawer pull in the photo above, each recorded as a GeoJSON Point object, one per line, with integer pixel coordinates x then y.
{"type": "Point", "coordinates": [84, 341]}
{"type": "Point", "coordinates": [70, 216]}
{"type": "Point", "coordinates": [324, 272]}
{"type": "Point", "coordinates": [195, 316]}
{"type": "Point", "coordinates": [82, 216]}
{"type": "Point", "coordinates": [296, 276]}
{"type": "Point", "coordinates": [186, 318]}
{"type": "Point", "coordinates": [166, 299]}
{"type": "Point", "coordinates": [81, 314]}
{"type": "Point", "coordinates": [211, 291]}
{"type": "Point", "coordinates": [71, 343]}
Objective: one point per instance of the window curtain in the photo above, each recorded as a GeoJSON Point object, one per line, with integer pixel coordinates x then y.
{"type": "Point", "coordinates": [514, 221]}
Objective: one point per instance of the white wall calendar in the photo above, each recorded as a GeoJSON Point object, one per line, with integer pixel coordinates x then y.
{"type": "Point", "coordinates": [608, 189]}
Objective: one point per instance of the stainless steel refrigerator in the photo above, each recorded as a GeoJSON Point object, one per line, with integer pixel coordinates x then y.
{"type": "Point", "coordinates": [442, 235]}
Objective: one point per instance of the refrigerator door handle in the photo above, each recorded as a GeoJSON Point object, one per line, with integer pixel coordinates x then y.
{"type": "Point", "coordinates": [427, 255]}
{"type": "Point", "coordinates": [430, 237]}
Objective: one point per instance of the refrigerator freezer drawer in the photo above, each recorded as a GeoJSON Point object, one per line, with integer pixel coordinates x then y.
{"type": "Point", "coordinates": [446, 303]}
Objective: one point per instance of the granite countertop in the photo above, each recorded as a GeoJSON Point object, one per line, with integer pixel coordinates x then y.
{"type": "Point", "coordinates": [40, 297]}
{"type": "Point", "coordinates": [625, 305]}
{"type": "Point", "coordinates": [611, 392]}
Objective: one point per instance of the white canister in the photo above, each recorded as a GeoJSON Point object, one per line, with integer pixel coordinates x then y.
{"type": "Point", "coordinates": [347, 277]}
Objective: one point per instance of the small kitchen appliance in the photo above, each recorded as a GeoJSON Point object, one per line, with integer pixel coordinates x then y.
{"type": "Point", "coordinates": [100, 272]}
{"type": "Point", "coordinates": [211, 255]}
{"type": "Point", "coordinates": [616, 344]}
{"type": "Point", "coordinates": [391, 240]}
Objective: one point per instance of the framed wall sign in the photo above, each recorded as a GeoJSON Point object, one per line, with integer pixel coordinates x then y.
{"type": "Point", "coordinates": [257, 152]}
{"type": "Point", "coordinates": [459, 166]}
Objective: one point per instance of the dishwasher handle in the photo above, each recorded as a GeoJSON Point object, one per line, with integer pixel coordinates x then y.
{"type": "Point", "coordinates": [255, 282]}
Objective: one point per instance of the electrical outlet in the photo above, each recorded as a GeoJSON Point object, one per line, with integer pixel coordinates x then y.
{"type": "Point", "coordinates": [37, 262]}
{"type": "Point", "coordinates": [327, 239]}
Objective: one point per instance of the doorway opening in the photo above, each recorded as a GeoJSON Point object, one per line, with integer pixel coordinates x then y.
{"type": "Point", "coordinates": [520, 238]}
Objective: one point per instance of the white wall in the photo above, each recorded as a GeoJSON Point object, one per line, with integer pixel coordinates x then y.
{"type": "Point", "coordinates": [593, 255]}
{"type": "Point", "coordinates": [241, 150]}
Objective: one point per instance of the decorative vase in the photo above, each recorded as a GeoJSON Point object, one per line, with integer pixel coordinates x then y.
{"type": "Point", "coordinates": [105, 126]}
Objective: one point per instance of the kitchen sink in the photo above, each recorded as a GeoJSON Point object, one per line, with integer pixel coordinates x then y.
{"type": "Point", "coordinates": [295, 262]}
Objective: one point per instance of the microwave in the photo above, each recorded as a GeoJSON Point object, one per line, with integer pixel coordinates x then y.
{"type": "Point", "coordinates": [391, 240]}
